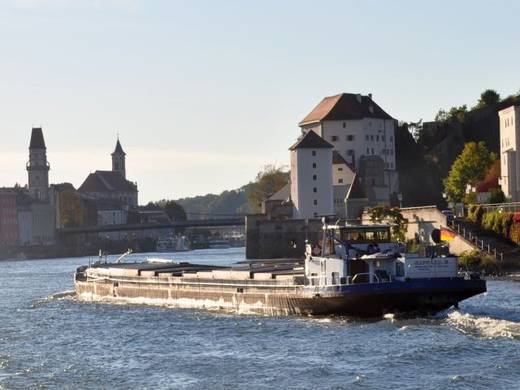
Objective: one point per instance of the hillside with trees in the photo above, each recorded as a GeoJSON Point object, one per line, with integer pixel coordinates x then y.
{"type": "Point", "coordinates": [426, 151]}
{"type": "Point", "coordinates": [241, 201]}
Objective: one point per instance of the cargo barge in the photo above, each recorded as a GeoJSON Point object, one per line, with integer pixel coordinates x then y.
{"type": "Point", "coordinates": [355, 270]}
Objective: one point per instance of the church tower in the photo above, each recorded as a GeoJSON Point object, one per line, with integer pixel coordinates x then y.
{"type": "Point", "coordinates": [38, 167]}
{"type": "Point", "coordinates": [118, 160]}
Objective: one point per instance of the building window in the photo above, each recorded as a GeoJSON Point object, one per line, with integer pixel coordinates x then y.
{"type": "Point", "coordinates": [377, 137]}
{"type": "Point", "coordinates": [344, 125]}
{"type": "Point", "coordinates": [368, 150]}
{"type": "Point", "coordinates": [383, 138]}
{"type": "Point", "coordinates": [372, 150]}
{"type": "Point", "coordinates": [314, 177]}
{"type": "Point", "coordinates": [350, 137]}
{"type": "Point", "coordinates": [315, 202]}
{"type": "Point", "coordinates": [334, 138]}
{"type": "Point", "coordinates": [350, 152]}
{"type": "Point", "coordinates": [314, 165]}
{"type": "Point", "coordinates": [391, 138]}
{"type": "Point", "coordinates": [315, 189]}
{"type": "Point", "coordinates": [340, 181]}
{"type": "Point", "coordinates": [340, 169]}
{"type": "Point", "coordinates": [314, 153]}
{"type": "Point", "coordinates": [372, 137]}
{"type": "Point", "coordinates": [367, 137]}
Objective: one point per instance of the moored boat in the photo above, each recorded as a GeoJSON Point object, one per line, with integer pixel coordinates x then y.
{"type": "Point", "coordinates": [355, 270]}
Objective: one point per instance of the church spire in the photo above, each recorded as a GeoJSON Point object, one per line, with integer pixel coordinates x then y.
{"type": "Point", "coordinates": [118, 159]}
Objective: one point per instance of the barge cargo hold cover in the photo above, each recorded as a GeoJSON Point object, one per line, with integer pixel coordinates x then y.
{"type": "Point", "coordinates": [355, 270]}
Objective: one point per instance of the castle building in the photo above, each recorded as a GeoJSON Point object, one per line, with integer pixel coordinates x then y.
{"type": "Point", "coordinates": [311, 177]}
{"type": "Point", "coordinates": [112, 186]}
{"type": "Point", "coordinates": [342, 177]}
{"type": "Point", "coordinates": [38, 167]}
{"type": "Point", "coordinates": [361, 132]}
{"type": "Point", "coordinates": [510, 152]}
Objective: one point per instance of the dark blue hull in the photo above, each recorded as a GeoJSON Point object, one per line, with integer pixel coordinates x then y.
{"type": "Point", "coordinates": [419, 296]}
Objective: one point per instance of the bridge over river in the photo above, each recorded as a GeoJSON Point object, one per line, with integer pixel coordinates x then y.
{"type": "Point", "coordinates": [203, 223]}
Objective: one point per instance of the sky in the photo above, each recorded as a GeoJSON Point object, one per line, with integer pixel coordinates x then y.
{"type": "Point", "coordinates": [203, 94]}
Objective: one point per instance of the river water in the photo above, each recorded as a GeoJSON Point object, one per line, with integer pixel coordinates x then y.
{"type": "Point", "coordinates": [48, 339]}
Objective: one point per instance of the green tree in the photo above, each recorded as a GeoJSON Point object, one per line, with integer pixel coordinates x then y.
{"type": "Point", "coordinates": [469, 168]}
{"type": "Point", "coordinates": [393, 216]}
{"type": "Point", "coordinates": [72, 210]}
{"type": "Point", "coordinates": [174, 210]}
{"type": "Point", "coordinates": [489, 97]}
{"type": "Point", "coordinates": [455, 113]}
{"type": "Point", "coordinates": [268, 181]}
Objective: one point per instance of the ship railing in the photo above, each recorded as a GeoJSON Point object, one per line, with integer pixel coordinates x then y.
{"type": "Point", "coordinates": [366, 274]}
{"type": "Point", "coordinates": [322, 279]}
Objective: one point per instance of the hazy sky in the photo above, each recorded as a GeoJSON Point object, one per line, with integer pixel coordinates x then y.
{"type": "Point", "coordinates": [204, 93]}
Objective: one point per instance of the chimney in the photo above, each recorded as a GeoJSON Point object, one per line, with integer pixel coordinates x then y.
{"type": "Point", "coordinates": [370, 96]}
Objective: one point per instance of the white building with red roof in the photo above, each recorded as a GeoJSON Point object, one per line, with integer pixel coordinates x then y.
{"type": "Point", "coordinates": [363, 134]}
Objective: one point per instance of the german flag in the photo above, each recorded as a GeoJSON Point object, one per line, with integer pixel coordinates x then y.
{"type": "Point", "coordinates": [447, 235]}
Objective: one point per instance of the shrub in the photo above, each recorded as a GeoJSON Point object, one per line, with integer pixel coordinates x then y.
{"type": "Point", "coordinates": [479, 214]}
{"type": "Point", "coordinates": [469, 260]}
{"type": "Point", "coordinates": [508, 221]}
{"type": "Point", "coordinates": [496, 196]}
{"type": "Point", "coordinates": [478, 261]}
{"type": "Point", "coordinates": [514, 232]}
{"type": "Point", "coordinates": [488, 221]}
{"type": "Point", "coordinates": [471, 213]}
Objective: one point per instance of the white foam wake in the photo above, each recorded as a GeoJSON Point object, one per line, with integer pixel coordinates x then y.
{"type": "Point", "coordinates": [485, 327]}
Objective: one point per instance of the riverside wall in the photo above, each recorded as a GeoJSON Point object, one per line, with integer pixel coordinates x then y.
{"type": "Point", "coordinates": [278, 239]}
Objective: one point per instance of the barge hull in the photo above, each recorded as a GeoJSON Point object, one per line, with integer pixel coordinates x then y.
{"type": "Point", "coordinates": [420, 296]}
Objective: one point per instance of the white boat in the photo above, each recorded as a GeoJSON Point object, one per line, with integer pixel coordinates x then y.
{"type": "Point", "coordinates": [173, 244]}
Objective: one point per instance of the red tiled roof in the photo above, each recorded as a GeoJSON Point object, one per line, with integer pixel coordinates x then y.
{"type": "Point", "coordinates": [345, 106]}
{"type": "Point", "coordinates": [104, 181]}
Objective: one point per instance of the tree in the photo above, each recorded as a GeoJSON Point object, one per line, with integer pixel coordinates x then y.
{"type": "Point", "coordinates": [268, 181]}
{"type": "Point", "coordinates": [174, 210]}
{"type": "Point", "coordinates": [72, 210]}
{"type": "Point", "coordinates": [454, 114]}
{"type": "Point", "coordinates": [488, 98]}
{"type": "Point", "coordinates": [469, 168]}
{"type": "Point", "coordinates": [393, 216]}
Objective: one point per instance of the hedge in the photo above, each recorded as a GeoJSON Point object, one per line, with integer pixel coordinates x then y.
{"type": "Point", "coordinates": [504, 224]}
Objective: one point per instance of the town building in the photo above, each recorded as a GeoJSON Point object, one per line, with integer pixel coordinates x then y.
{"type": "Point", "coordinates": [8, 217]}
{"type": "Point", "coordinates": [311, 177]}
{"type": "Point", "coordinates": [112, 185]}
{"type": "Point", "coordinates": [364, 136]}
{"type": "Point", "coordinates": [510, 152]}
